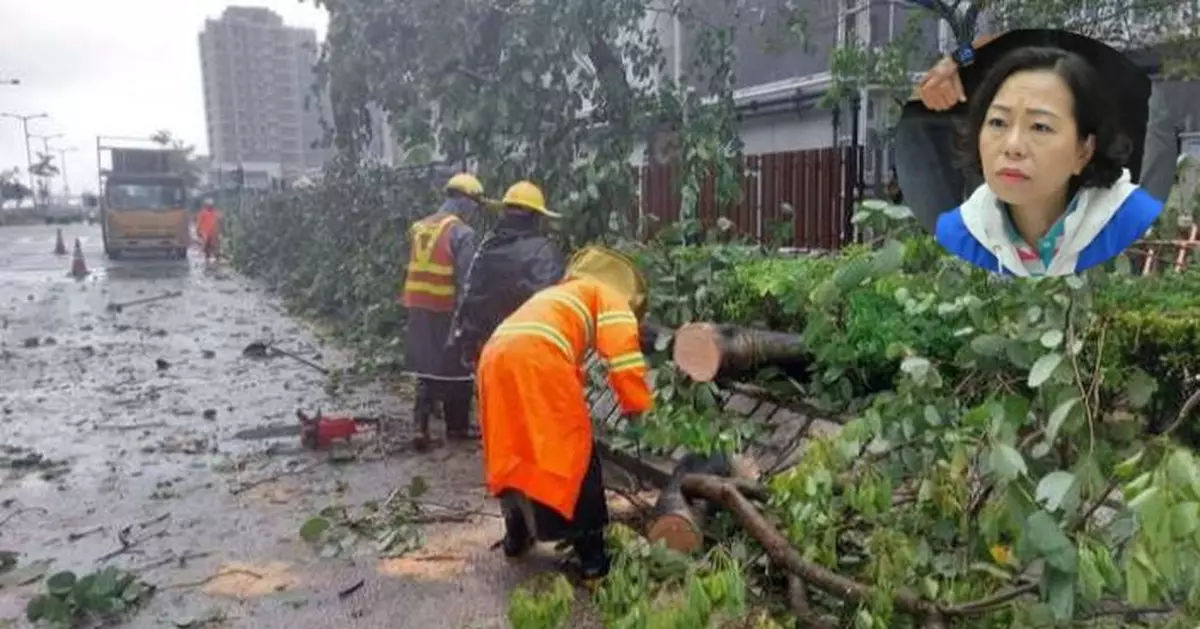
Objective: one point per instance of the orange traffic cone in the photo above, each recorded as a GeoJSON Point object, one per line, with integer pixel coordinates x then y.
{"type": "Point", "coordinates": [78, 266]}
{"type": "Point", "coordinates": [60, 248]}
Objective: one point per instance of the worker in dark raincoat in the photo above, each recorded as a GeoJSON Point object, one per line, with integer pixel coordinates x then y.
{"type": "Point", "coordinates": [513, 262]}
{"type": "Point", "coordinates": [538, 450]}
{"type": "Point", "coordinates": [442, 246]}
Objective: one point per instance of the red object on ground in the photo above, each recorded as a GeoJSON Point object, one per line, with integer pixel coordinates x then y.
{"type": "Point", "coordinates": [78, 266]}
{"type": "Point", "coordinates": [317, 433]}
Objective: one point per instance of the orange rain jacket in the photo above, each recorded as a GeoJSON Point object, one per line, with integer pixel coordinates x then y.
{"type": "Point", "coordinates": [533, 411]}
{"type": "Point", "coordinates": [208, 223]}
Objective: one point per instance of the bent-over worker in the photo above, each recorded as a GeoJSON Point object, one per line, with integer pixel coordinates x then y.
{"type": "Point", "coordinates": [441, 246]}
{"type": "Point", "coordinates": [513, 262]}
{"type": "Point", "coordinates": [208, 230]}
{"type": "Point", "coordinates": [537, 428]}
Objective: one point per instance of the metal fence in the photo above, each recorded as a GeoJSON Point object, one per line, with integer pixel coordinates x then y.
{"type": "Point", "coordinates": [801, 199]}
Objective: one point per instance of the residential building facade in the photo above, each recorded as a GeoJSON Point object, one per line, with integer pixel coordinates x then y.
{"type": "Point", "coordinates": [780, 85]}
{"type": "Point", "coordinates": [260, 113]}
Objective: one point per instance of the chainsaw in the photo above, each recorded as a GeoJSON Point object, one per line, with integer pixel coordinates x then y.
{"type": "Point", "coordinates": [316, 432]}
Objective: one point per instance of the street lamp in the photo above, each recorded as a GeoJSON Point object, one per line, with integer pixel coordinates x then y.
{"type": "Point", "coordinates": [25, 129]}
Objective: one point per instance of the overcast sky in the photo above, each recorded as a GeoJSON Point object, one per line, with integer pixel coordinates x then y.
{"type": "Point", "coordinates": [109, 67]}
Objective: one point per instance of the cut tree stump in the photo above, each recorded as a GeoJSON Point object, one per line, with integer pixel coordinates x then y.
{"type": "Point", "coordinates": [708, 352]}
{"type": "Point", "coordinates": [677, 520]}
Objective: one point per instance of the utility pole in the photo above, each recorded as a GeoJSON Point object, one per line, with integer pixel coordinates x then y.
{"type": "Point", "coordinates": [25, 129]}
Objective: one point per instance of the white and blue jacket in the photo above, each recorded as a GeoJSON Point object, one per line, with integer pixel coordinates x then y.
{"type": "Point", "coordinates": [1105, 222]}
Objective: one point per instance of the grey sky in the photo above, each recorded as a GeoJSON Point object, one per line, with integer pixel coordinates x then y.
{"type": "Point", "coordinates": [111, 67]}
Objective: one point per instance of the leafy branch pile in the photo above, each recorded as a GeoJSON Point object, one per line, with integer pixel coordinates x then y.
{"type": "Point", "coordinates": [1013, 457]}
{"type": "Point", "coordinates": [393, 526]}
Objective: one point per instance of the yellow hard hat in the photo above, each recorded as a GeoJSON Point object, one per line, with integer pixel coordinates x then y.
{"type": "Point", "coordinates": [614, 269]}
{"type": "Point", "coordinates": [465, 183]}
{"type": "Point", "coordinates": [524, 194]}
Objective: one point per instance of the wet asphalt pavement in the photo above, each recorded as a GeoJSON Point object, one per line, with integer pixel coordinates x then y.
{"type": "Point", "coordinates": [142, 447]}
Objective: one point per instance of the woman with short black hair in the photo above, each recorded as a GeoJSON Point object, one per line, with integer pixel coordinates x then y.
{"type": "Point", "coordinates": [1044, 132]}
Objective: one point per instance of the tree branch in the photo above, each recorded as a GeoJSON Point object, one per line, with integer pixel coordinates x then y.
{"type": "Point", "coordinates": [782, 553]}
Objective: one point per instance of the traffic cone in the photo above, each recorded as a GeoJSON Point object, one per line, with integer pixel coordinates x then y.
{"type": "Point", "coordinates": [78, 266]}
{"type": "Point", "coordinates": [60, 248]}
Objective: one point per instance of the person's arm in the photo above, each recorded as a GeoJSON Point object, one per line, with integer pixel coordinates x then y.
{"type": "Point", "coordinates": [941, 88]}
{"type": "Point", "coordinates": [618, 343]}
{"type": "Point", "coordinates": [547, 266]}
{"type": "Point", "coordinates": [462, 244]}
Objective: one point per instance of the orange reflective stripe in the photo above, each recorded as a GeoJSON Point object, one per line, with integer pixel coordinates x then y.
{"type": "Point", "coordinates": [429, 278]}
{"type": "Point", "coordinates": [626, 362]}
{"type": "Point", "coordinates": [575, 305]}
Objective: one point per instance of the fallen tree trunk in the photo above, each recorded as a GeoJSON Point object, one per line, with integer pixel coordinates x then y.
{"type": "Point", "coordinates": [707, 351]}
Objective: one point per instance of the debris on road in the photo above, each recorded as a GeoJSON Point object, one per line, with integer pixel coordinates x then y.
{"type": "Point", "coordinates": [121, 306]}
{"type": "Point", "coordinates": [21, 460]}
{"type": "Point", "coordinates": [265, 349]}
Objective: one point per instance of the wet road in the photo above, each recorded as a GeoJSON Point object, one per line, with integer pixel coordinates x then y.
{"type": "Point", "coordinates": [151, 445]}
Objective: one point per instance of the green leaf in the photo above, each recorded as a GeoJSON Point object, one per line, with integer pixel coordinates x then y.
{"type": "Point", "coordinates": [1137, 585]}
{"type": "Point", "coordinates": [889, 258]}
{"type": "Point", "coordinates": [1140, 388]}
{"type": "Point", "coordinates": [1006, 462]}
{"type": "Point", "coordinates": [1181, 470]}
{"type": "Point", "coordinates": [917, 368]}
{"type": "Point", "coordinates": [1047, 538]}
{"type": "Point", "coordinates": [988, 344]}
{"type": "Point", "coordinates": [1044, 368]}
{"type": "Point", "coordinates": [1185, 519]}
{"type": "Point", "coordinates": [1091, 581]}
{"type": "Point", "coordinates": [1052, 339]}
{"type": "Point", "coordinates": [1054, 488]}
{"type": "Point", "coordinates": [1060, 593]}
{"type": "Point", "coordinates": [417, 487]}
{"type": "Point", "coordinates": [313, 528]}
{"type": "Point", "coordinates": [1058, 417]}
{"type": "Point", "coordinates": [61, 583]}
{"type": "Point", "coordinates": [1129, 466]}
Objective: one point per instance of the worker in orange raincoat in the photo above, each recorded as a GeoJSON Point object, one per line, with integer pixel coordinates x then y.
{"type": "Point", "coordinates": [537, 428]}
{"type": "Point", "coordinates": [208, 230]}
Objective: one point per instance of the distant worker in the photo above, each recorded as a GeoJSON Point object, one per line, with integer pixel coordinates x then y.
{"type": "Point", "coordinates": [539, 457]}
{"type": "Point", "coordinates": [208, 230]}
{"type": "Point", "coordinates": [441, 246]}
{"type": "Point", "coordinates": [513, 262]}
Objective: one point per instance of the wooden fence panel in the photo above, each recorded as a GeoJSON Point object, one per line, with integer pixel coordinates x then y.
{"type": "Point", "coordinates": [816, 184]}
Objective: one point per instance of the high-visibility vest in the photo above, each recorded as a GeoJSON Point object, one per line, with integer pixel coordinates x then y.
{"type": "Point", "coordinates": [429, 282]}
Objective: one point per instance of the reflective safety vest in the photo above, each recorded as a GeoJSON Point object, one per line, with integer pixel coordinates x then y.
{"type": "Point", "coordinates": [429, 283]}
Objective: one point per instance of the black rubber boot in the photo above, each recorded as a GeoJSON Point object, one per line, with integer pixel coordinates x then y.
{"type": "Point", "coordinates": [517, 538]}
{"type": "Point", "coordinates": [456, 401]}
{"type": "Point", "coordinates": [422, 411]}
{"type": "Point", "coordinates": [593, 556]}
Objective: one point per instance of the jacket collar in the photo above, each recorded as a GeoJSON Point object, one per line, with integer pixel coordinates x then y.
{"type": "Point", "coordinates": [985, 220]}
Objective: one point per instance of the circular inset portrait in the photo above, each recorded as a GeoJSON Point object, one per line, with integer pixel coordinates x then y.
{"type": "Point", "coordinates": [1026, 161]}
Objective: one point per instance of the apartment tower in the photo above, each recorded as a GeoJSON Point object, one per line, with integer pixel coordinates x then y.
{"type": "Point", "coordinates": [258, 81]}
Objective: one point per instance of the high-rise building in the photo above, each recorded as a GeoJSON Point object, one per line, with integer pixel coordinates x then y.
{"type": "Point", "coordinates": [261, 113]}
